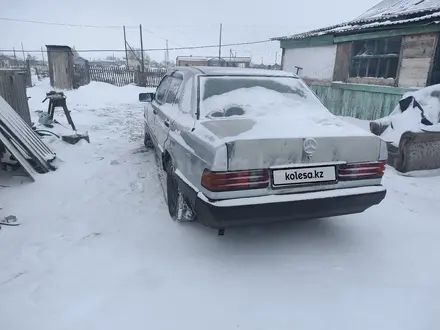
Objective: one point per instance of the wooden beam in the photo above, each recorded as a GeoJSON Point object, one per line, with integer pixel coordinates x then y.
{"type": "Point", "coordinates": [373, 88]}
{"type": "Point", "coordinates": [342, 62]}
{"type": "Point", "coordinates": [431, 67]}
{"type": "Point", "coordinates": [308, 42]}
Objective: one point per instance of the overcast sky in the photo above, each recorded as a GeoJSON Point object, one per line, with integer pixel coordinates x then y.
{"type": "Point", "coordinates": [183, 23]}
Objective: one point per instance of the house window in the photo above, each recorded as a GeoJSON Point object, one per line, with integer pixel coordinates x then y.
{"type": "Point", "coordinates": [375, 58]}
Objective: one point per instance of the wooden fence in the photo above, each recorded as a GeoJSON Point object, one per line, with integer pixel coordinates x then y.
{"type": "Point", "coordinates": [366, 102]}
{"type": "Point", "coordinates": [121, 76]}
{"type": "Point", "coordinates": [115, 76]}
{"type": "Point", "coordinates": [152, 77]}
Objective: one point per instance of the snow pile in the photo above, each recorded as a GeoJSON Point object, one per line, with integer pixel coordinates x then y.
{"type": "Point", "coordinates": [94, 95]}
{"type": "Point", "coordinates": [411, 119]}
{"type": "Point", "coordinates": [85, 101]}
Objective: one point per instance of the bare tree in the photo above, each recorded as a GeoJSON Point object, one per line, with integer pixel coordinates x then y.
{"type": "Point", "coordinates": [75, 53]}
{"type": "Point", "coordinates": [134, 55]}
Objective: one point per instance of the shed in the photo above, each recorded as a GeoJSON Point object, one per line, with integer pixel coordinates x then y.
{"type": "Point", "coordinates": [362, 67]}
{"type": "Point", "coordinates": [13, 90]}
{"type": "Point", "coordinates": [6, 61]}
{"type": "Point", "coordinates": [78, 60]}
{"type": "Point", "coordinates": [61, 70]}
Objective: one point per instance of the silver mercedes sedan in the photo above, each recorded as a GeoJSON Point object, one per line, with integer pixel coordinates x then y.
{"type": "Point", "coordinates": [246, 146]}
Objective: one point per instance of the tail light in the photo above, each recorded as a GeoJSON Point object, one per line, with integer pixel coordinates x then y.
{"type": "Point", "coordinates": [361, 171]}
{"type": "Point", "coordinates": [236, 180]}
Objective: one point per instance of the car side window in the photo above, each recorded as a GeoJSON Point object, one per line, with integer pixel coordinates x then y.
{"type": "Point", "coordinates": [173, 90]}
{"type": "Point", "coordinates": [162, 90]}
{"type": "Point", "coordinates": [185, 99]}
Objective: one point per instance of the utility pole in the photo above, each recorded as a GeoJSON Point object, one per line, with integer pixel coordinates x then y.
{"type": "Point", "coordinates": [142, 49]}
{"type": "Point", "coordinates": [15, 56]}
{"type": "Point", "coordinates": [22, 49]}
{"type": "Point", "coordinates": [220, 45]}
{"type": "Point", "coordinates": [42, 54]}
{"type": "Point", "coordinates": [125, 45]}
{"type": "Point", "coordinates": [167, 56]}
{"type": "Point", "coordinates": [276, 57]}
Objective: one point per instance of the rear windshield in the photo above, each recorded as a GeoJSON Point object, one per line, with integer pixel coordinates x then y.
{"type": "Point", "coordinates": [254, 96]}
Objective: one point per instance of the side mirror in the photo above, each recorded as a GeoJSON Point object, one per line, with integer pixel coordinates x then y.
{"type": "Point", "coordinates": [146, 97]}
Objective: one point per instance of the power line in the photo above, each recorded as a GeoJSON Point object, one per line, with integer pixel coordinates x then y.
{"type": "Point", "coordinates": [160, 37]}
{"type": "Point", "coordinates": [135, 27]}
{"type": "Point", "coordinates": [85, 26]}
{"type": "Point", "coordinates": [64, 24]}
{"type": "Point", "coordinates": [154, 49]}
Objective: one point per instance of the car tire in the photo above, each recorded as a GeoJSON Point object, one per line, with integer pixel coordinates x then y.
{"type": "Point", "coordinates": [178, 208]}
{"type": "Point", "coordinates": [147, 139]}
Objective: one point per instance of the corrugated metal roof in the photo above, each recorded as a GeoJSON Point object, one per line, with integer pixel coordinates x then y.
{"type": "Point", "coordinates": [20, 138]}
{"type": "Point", "coordinates": [399, 7]}
{"type": "Point", "coordinates": [386, 13]}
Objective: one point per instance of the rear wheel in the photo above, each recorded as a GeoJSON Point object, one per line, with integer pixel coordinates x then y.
{"type": "Point", "coordinates": [177, 206]}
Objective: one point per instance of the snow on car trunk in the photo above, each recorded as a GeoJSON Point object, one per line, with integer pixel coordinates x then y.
{"type": "Point", "coordinates": [265, 122]}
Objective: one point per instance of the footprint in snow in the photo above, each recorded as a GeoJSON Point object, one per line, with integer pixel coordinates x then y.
{"type": "Point", "coordinates": [137, 187]}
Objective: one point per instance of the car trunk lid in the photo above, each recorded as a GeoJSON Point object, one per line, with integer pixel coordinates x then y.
{"type": "Point", "coordinates": [286, 152]}
{"type": "Point", "coordinates": [255, 143]}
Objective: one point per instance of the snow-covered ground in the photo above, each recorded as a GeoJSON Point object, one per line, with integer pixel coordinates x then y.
{"type": "Point", "coordinates": [97, 250]}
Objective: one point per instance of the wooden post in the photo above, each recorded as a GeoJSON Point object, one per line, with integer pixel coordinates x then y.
{"type": "Point", "coordinates": [167, 55]}
{"type": "Point", "coordinates": [142, 49]}
{"type": "Point", "coordinates": [22, 49]}
{"type": "Point", "coordinates": [28, 74]}
{"type": "Point", "coordinates": [87, 69]}
{"type": "Point", "coordinates": [125, 45]}
{"type": "Point", "coordinates": [15, 57]}
{"type": "Point", "coordinates": [138, 76]}
{"type": "Point", "coordinates": [220, 46]}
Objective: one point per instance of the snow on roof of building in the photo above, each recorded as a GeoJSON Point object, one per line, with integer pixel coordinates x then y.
{"type": "Point", "coordinates": [209, 58]}
{"type": "Point", "coordinates": [399, 7]}
{"type": "Point", "coordinates": [386, 13]}
{"type": "Point", "coordinates": [192, 58]}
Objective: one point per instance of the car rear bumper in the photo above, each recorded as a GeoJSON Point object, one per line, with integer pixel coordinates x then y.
{"type": "Point", "coordinates": [275, 208]}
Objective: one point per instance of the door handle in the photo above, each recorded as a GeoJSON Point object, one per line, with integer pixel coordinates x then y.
{"type": "Point", "coordinates": [167, 123]}
{"type": "Point", "coordinates": [155, 111]}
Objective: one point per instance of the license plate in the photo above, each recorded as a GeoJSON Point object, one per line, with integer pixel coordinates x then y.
{"type": "Point", "coordinates": [303, 175]}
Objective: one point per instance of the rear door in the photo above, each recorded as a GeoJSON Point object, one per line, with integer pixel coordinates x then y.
{"type": "Point", "coordinates": [152, 111]}
{"type": "Point", "coordinates": [166, 109]}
